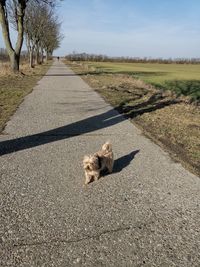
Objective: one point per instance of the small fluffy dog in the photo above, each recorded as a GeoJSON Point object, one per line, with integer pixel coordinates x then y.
{"type": "Point", "coordinates": [94, 164]}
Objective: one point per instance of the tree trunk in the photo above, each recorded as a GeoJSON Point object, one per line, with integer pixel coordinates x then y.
{"type": "Point", "coordinates": [28, 45]}
{"type": "Point", "coordinates": [42, 56]}
{"type": "Point", "coordinates": [37, 58]}
{"type": "Point", "coordinates": [31, 58]}
{"type": "Point", "coordinates": [14, 62]}
{"type": "Point", "coordinates": [47, 55]}
{"type": "Point", "coordinates": [20, 29]}
{"type": "Point", "coordinates": [5, 28]}
{"type": "Point", "coordinates": [13, 54]}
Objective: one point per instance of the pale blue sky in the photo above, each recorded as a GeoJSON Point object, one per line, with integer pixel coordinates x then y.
{"type": "Point", "coordinates": [156, 28]}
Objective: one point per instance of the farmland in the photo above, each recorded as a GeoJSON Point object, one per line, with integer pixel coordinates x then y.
{"type": "Point", "coordinates": [181, 78]}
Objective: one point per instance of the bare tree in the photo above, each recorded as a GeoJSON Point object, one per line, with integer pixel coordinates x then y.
{"type": "Point", "coordinates": [34, 23]}
{"type": "Point", "coordinates": [17, 8]}
{"type": "Point", "coordinates": [42, 31]}
{"type": "Point", "coordinates": [52, 37]}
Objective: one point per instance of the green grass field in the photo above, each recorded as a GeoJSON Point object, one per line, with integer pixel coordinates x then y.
{"type": "Point", "coordinates": [183, 79]}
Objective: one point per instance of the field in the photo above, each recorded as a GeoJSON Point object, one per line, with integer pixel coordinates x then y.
{"type": "Point", "coordinates": [171, 121]}
{"type": "Point", "coordinates": [181, 78]}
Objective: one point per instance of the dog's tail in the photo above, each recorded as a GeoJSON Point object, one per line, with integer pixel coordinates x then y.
{"type": "Point", "coordinates": [107, 147]}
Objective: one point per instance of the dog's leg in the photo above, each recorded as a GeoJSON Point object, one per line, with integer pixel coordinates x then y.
{"type": "Point", "coordinates": [110, 166]}
{"type": "Point", "coordinates": [87, 179]}
{"type": "Point", "coordinates": [96, 176]}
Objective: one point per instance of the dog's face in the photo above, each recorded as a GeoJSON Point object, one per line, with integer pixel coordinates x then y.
{"type": "Point", "coordinates": [90, 163]}
{"type": "Point", "coordinates": [91, 167]}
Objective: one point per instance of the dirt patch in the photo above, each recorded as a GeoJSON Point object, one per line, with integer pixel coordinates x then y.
{"type": "Point", "coordinates": [170, 121]}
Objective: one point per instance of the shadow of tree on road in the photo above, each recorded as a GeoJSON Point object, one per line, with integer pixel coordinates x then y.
{"type": "Point", "coordinates": [155, 102]}
{"type": "Point", "coordinates": [84, 126]}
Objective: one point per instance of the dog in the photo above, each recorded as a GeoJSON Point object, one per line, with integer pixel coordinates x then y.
{"type": "Point", "coordinates": [101, 160]}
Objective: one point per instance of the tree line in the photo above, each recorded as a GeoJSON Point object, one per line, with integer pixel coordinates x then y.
{"type": "Point", "coordinates": [36, 22]}
{"type": "Point", "coordinates": [104, 58]}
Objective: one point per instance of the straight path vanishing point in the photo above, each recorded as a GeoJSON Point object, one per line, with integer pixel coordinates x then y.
{"type": "Point", "coordinates": [146, 213]}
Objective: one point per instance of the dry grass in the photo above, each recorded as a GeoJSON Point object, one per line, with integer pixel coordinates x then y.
{"type": "Point", "coordinates": [170, 121]}
{"type": "Point", "coordinates": [13, 88]}
{"type": "Point", "coordinates": [5, 68]}
{"type": "Point", "coordinates": [182, 79]}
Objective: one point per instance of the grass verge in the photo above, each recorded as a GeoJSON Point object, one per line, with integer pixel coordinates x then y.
{"type": "Point", "coordinates": [179, 78]}
{"type": "Point", "coordinates": [13, 88]}
{"type": "Point", "coordinates": [170, 121]}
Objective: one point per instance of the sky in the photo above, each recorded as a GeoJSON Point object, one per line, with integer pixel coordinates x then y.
{"type": "Point", "coordinates": [134, 28]}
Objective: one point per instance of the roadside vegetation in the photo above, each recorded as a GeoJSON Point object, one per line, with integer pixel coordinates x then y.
{"type": "Point", "coordinates": [36, 24]}
{"type": "Point", "coordinates": [33, 18]}
{"type": "Point", "coordinates": [179, 78]}
{"type": "Point", "coordinates": [13, 88]}
{"type": "Point", "coordinates": [163, 100]}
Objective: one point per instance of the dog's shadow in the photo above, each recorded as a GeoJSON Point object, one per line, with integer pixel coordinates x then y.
{"type": "Point", "coordinates": [122, 162]}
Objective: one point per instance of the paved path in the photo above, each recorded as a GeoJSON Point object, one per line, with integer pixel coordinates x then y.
{"type": "Point", "coordinates": [146, 213]}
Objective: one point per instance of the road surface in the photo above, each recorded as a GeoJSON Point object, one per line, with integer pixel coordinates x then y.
{"type": "Point", "coordinates": [146, 213]}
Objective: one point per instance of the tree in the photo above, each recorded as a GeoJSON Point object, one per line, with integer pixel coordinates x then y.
{"type": "Point", "coordinates": [34, 25]}
{"type": "Point", "coordinates": [17, 9]}
{"type": "Point", "coordinates": [42, 31]}
{"type": "Point", "coordinates": [51, 38]}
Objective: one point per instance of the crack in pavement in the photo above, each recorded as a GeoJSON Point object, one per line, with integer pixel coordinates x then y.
{"type": "Point", "coordinates": [73, 240]}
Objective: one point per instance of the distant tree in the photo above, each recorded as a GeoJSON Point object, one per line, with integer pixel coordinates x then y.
{"type": "Point", "coordinates": [35, 23]}
{"type": "Point", "coordinates": [98, 58]}
{"type": "Point", "coordinates": [52, 37]}
{"type": "Point", "coordinates": [14, 11]}
{"type": "Point", "coordinates": [42, 31]}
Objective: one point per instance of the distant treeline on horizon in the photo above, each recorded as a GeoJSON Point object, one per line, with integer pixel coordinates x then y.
{"type": "Point", "coordinates": [103, 58]}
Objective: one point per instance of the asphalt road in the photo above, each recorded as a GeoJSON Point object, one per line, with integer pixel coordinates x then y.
{"type": "Point", "coordinates": [146, 213]}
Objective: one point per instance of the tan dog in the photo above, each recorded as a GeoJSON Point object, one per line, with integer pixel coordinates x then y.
{"type": "Point", "coordinates": [94, 164]}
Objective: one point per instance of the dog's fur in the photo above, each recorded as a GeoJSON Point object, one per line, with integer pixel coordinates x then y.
{"type": "Point", "coordinates": [94, 164]}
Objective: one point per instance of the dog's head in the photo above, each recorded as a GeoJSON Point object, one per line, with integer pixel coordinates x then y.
{"type": "Point", "coordinates": [90, 163]}
{"type": "Point", "coordinates": [91, 167]}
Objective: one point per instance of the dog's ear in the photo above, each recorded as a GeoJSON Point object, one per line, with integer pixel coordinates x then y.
{"type": "Point", "coordinates": [86, 159]}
